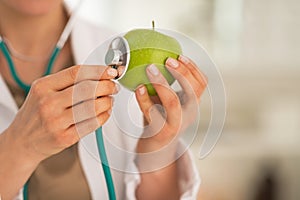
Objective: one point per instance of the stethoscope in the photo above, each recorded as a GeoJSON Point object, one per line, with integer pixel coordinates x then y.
{"type": "Point", "coordinates": [117, 55]}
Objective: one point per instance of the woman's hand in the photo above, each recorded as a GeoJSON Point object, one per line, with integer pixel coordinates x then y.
{"type": "Point", "coordinates": [58, 110]}
{"type": "Point", "coordinates": [165, 125]}
{"type": "Point", "coordinates": [63, 107]}
{"type": "Point", "coordinates": [180, 110]}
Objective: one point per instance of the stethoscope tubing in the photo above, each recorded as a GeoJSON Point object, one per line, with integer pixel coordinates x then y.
{"type": "Point", "coordinates": [12, 68]}
{"type": "Point", "coordinates": [105, 164]}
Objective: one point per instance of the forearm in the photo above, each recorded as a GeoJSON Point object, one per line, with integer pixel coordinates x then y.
{"type": "Point", "coordinates": [159, 185]}
{"type": "Point", "coordinates": [16, 166]}
{"type": "Point", "coordinates": [158, 171]}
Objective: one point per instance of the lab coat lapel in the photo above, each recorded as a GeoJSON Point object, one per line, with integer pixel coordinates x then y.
{"type": "Point", "coordinates": [6, 98]}
{"type": "Point", "coordinates": [8, 107]}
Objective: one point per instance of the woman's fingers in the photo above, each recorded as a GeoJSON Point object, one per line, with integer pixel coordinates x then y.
{"type": "Point", "coordinates": [144, 101]}
{"type": "Point", "coordinates": [183, 76]}
{"type": "Point", "coordinates": [87, 90]}
{"type": "Point", "coordinates": [167, 96]}
{"type": "Point", "coordinates": [76, 74]}
{"type": "Point", "coordinates": [121, 71]}
{"type": "Point", "coordinates": [188, 78]}
{"type": "Point", "coordinates": [152, 112]}
{"type": "Point", "coordinates": [87, 110]}
{"type": "Point", "coordinates": [146, 104]}
{"type": "Point", "coordinates": [194, 69]}
{"type": "Point", "coordinates": [87, 126]}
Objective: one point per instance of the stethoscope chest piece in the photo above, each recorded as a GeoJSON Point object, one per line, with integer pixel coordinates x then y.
{"type": "Point", "coordinates": [118, 54]}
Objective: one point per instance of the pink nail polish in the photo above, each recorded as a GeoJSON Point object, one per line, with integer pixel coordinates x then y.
{"type": "Point", "coordinates": [172, 62]}
{"type": "Point", "coordinates": [184, 59]}
{"type": "Point", "coordinates": [142, 90]}
{"type": "Point", "coordinates": [153, 70]}
{"type": "Point", "coordinates": [112, 72]}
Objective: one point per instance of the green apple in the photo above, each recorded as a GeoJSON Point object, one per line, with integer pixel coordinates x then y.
{"type": "Point", "coordinates": [148, 46]}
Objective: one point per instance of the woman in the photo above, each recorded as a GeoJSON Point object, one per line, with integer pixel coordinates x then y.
{"type": "Point", "coordinates": [41, 143]}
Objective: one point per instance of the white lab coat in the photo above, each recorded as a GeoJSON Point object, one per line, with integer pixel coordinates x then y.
{"type": "Point", "coordinates": [84, 38]}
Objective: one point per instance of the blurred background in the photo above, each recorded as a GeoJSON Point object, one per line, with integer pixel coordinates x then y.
{"type": "Point", "coordinates": [256, 46]}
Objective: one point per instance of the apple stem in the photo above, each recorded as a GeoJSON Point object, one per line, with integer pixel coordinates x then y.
{"type": "Point", "coordinates": [153, 24]}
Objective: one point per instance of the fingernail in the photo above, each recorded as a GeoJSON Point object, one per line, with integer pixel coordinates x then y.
{"type": "Point", "coordinates": [172, 62]}
{"type": "Point", "coordinates": [184, 59]}
{"type": "Point", "coordinates": [153, 70]}
{"type": "Point", "coordinates": [117, 87]}
{"type": "Point", "coordinates": [112, 72]}
{"type": "Point", "coordinates": [109, 111]}
{"type": "Point", "coordinates": [121, 70]}
{"type": "Point", "coordinates": [142, 90]}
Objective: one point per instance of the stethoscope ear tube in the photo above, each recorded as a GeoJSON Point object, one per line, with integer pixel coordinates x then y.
{"type": "Point", "coordinates": [69, 26]}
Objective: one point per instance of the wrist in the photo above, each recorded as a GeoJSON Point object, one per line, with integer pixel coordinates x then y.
{"type": "Point", "coordinates": [152, 156]}
{"type": "Point", "coordinates": [19, 150]}
{"type": "Point", "coordinates": [16, 165]}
